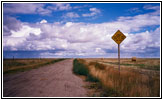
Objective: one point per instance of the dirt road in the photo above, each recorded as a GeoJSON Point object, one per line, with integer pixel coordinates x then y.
{"type": "Point", "coordinates": [55, 80]}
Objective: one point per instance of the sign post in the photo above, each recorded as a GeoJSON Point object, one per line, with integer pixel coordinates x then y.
{"type": "Point", "coordinates": [119, 57]}
{"type": "Point", "coordinates": [118, 37]}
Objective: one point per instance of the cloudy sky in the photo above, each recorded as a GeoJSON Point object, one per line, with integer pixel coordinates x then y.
{"type": "Point", "coordinates": [80, 29]}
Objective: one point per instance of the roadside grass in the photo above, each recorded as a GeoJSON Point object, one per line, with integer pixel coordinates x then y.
{"type": "Point", "coordinates": [14, 63]}
{"type": "Point", "coordinates": [129, 83]}
{"type": "Point", "coordinates": [21, 65]}
{"type": "Point", "coordinates": [80, 69]}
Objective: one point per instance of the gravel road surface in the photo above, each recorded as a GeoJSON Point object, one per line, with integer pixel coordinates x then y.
{"type": "Point", "coordinates": [55, 80]}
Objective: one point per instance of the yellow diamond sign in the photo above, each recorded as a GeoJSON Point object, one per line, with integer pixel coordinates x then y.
{"type": "Point", "coordinates": [118, 37]}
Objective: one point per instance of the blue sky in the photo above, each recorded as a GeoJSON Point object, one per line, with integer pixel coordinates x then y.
{"type": "Point", "coordinates": [80, 29]}
{"type": "Point", "coordinates": [108, 12]}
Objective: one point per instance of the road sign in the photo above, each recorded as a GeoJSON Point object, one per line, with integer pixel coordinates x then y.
{"type": "Point", "coordinates": [118, 37]}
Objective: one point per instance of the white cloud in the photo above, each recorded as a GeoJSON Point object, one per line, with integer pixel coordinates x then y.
{"type": "Point", "coordinates": [43, 21]}
{"type": "Point", "coordinates": [43, 11]}
{"type": "Point", "coordinates": [134, 10]}
{"type": "Point", "coordinates": [60, 6]}
{"type": "Point", "coordinates": [81, 6]}
{"type": "Point", "coordinates": [155, 8]}
{"type": "Point", "coordinates": [34, 8]}
{"type": "Point", "coordinates": [10, 23]}
{"type": "Point", "coordinates": [139, 21]}
{"type": "Point", "coordinates": [82, 39]}
{"type": "Point", "coordinates": [71, 15]}
{"type": "Point", "coordinates": [23, 8]}
{"type": "Point", "coordinates": [151, 7]}
{"type": "Point", "coordinates": [25, 31]}
{"type": "Point", "coordinates": [94, 11]}
{"type": "Point", "coordinates": [12, 43]}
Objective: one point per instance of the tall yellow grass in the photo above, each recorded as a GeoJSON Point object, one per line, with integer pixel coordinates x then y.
{"type": "Point", "coordinates": [129, 83]}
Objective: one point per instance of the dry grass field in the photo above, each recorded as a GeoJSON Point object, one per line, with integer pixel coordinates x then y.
{"type": "Point", "coordinates": [139, 78]}
{"type": "Point", "coordinates": [17, 65]}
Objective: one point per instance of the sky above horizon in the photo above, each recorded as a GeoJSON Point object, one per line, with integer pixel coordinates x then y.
{"type": "Point", "coordinates": [80, 29]}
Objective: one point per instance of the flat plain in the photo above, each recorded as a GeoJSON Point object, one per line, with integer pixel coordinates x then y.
{"type": "Point", "coordinates": [95, 77]}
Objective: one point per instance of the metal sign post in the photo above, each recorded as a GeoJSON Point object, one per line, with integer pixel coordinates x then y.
{"type": "Point", "coordinates": [119, 57]}
{"type": "Point", "coordinates": [118, 37]}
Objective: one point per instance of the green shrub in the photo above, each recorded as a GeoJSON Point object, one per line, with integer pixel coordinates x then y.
{"type": "Point", "coordinates": [92, 78]}
{"type": "Point", "coordinates": [79, 68]}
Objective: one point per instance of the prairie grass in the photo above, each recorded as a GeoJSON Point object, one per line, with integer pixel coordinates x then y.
{"type": "Point", "coordinates": [80, 68]}
{"type": "Point", "coordinates": [129, 82]}
{"type": "Point", "coordinates": [144, 66]}
{"type": "Point", "coordinates": [19, 65]}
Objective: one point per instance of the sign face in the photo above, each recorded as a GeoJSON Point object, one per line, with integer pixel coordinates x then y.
{"type": "Point", "coordinates": [118, 37]}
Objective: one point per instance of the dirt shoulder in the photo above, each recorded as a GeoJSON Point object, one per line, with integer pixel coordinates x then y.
{"type": "Point", "coordinates": [55, 80]}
